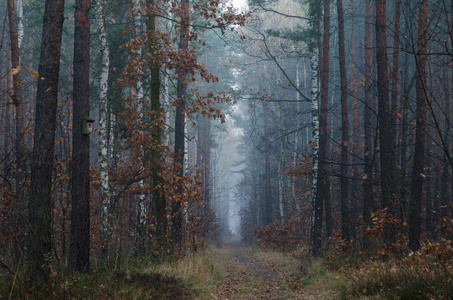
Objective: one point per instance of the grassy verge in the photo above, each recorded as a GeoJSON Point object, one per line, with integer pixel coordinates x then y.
{"type": "Point", "coordinates": [194, 276]}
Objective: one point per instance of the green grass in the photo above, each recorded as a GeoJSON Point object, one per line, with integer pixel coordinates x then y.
{"type": "Point", "coordinates": [252, 286]}
{"type": "Point", "coordinates": [194, 276]}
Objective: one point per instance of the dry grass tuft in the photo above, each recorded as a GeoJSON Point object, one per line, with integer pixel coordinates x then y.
{"type": "Point", "coordinates": [197, 272]}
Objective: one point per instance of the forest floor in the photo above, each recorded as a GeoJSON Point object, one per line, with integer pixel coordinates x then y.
{"type": "Point", "coordinates": [251, 273]}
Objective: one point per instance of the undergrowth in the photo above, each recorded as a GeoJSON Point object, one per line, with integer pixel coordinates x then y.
{"type": "Point", "coordinates": [425, 274]}
{"type": "Point", "coordinates": [194, 276]}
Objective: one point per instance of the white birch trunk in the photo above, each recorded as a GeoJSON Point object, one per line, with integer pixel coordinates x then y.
{"type": "Point", "coordinates": [281, 187]}
{"type": "Point", "coordinates": [139, 26]}
{"type": "Point", "coordinates": [166, 94]}
{"type": "Point", "coordinates": [103, 138]}
{"type": "Point", "coordinates": [20, 21]}
{"type": "Point", "coordinates": [315, 134]}
{"type": "Point", "coordinates": [281, 176]}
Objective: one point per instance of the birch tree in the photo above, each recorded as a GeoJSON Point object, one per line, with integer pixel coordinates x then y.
{"type": "Point", "coordinates": [103, 119]}
{"type": "Point", "coordinates": [314, 64]}
{"type": "Point", "coordinates": [139, 28]}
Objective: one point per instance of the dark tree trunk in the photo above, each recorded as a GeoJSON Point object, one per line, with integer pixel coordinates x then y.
{"type": "Point", "coordinates": [368, 150]}
{"type": "Point", "coordinates": [407, 86]}
{"type": "Point", "coordinates": [18, 206]}
{"type": "Point", "coordinates": [321, 189]}
{"type": "Point", "coordinates": [354, 205]}
{"type": "Point", "coordinates": [79, 247]}
{"type": "Point", "coordinates": [447, 136]}
{"type": "Point", "coordinates": [42, 162]}
{"type": "Point", "coordinates": [387, 156]}
{"type": "Point", "coordinates": [17, 101]}
{"type": "Point", "coordinates": [394, 104]}
{"type": "Point", "coordinates": [156, 155]}
{"type": "Point", "coordinates": [8, 138]}
{"type": "Point", "coordinates": [207, 163]}
{"type": "Point", "coordinates": [344, 184]}
{"type": "Point", "coordinates": [419, 155]}
{"type": "Point", "coordinates": [180, 121]}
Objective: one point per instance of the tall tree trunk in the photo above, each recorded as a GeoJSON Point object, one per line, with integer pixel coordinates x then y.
{"type": "Point", "coordinates": [156, 155]}
{"type": "Point", "coordinates": [321, 189]}
{"type": "Point", "coordinates": [20, 22]}
{"type": "Point", "coordinates": [387, 156]}
{"type": "Point", "coordinates": [17, 101]}
{"type": "Point", "coordinates": [42, 162]}
{"type": "Point", "coordinates": [396, 53]}
{"type": "Point", "coordinates": [345, 220]}
{"type": "Point", "coordinates": [180, 121]}
{"type": "Point", "coordinates": [8, 137]}
{"type": "Point", "coordinates": [207, 162]}
{"type": "Point", "coordinates": [79, 247]}
{"type": "Point", "coordinates": [368, 197]}
{"type": "Point", "coordinates": [139, 96]}
{"type": "Point", "coordinates": [447, 135]}
{"type": "Point", "coordinates": [354, 205]}
{"type": "Point", "coordinates": [103, 134]}
{"type": "Point", "coordinates": [315, 93]}
{"type": "Point", "coordinates": [419, 155]}
{"type": "Point", "coordinates": [406, 87]}
{"type": "Point", "coordinates": [394, 104]}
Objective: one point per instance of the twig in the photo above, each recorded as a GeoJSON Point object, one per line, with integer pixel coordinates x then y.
{"type": "Point", "coordinates": [2, 264]}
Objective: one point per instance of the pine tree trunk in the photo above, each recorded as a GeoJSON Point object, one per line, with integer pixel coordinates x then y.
{"type": "Point", "coordinates": [17, 100]}
{"type": "Point", "coordinates": [18, 206]}
{"type": "Point", "coordinates": [156, 155]}
{"type": "Point", "coordinates": [79, 247]}
{"type": "Point", "coordinates": [419, 155]}
{"type": "Point", "coordinates": [344, 184]}
{"type": "Point", "coordinates": [42, 162]}
{"type": "Point", "coordinates": [180, 118]}
{"type": "Point", "coordinates": [387, 156]}
{"type": "Point", "coordinates": [368, 197]}
{"type": "Point", "coordinates": [354, 205]}
{"type": "Point", "coordinates": [394, 92]}
{"type": "Point", "coordinates": [8, 138]}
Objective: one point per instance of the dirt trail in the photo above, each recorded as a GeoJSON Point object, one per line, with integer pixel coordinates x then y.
{"type": "Point", "coordinates": [249, 278]}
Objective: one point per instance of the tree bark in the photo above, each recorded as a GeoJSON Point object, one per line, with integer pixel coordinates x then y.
{"type": "Point", "coordinates": [344, 184]}
{"type": "Point", "coordinates": [42, 162]}
{"type": "Point", "coordinates": [315, 93]}
{"type": "Point", "coordinates": [419, 155]}
{"type": "Point", "coordinates": [387, 156]}
{"type": "Point", "coordinates": [103, 134]}
{"type": "Point", "coordinates": [142, 208]}
{"type": "Point", "coordinates": [79, 247]}
{"type": "Point", "coordinates": [321, 189]}
{"type": "Point", "coordinates": [368, 150]}
{"type": "Point", "coordinates": [17, 100]}
{"type": "Point", "coordinates": [156, 155]}
{"type": "Point", "coordinates": [394, 93]}
{"type": "Point", "coordinates": [180, 122]}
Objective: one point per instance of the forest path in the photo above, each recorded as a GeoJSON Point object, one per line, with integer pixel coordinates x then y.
{"type": "Point", "coordinates": [248, 277]}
